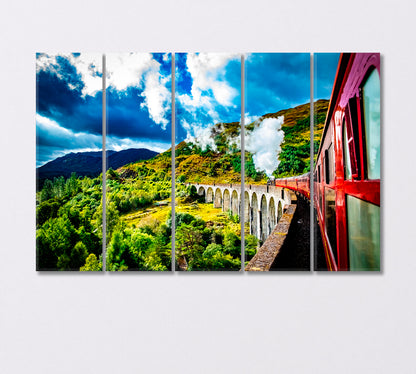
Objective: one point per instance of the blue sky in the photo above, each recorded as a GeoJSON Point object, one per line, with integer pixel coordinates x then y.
{"type": "Point", "coordinates": [139, 101]}
{"type": "Point", "coordinates": [325, 67]}
{"type": "Point", "coordinates": [207, 92]}
{"type": "Point", "coordinates": [69, 103]}
{"type": "Point", "coordinates": [276, 81]}
{"type": "Point", "coordinates": [69, 97]}
{"type": "Point", "coordinates": [208, 87]}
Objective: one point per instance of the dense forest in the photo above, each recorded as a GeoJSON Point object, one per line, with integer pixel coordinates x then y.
{"type": "Point", "coordinates": [69, 224]}
{"type": "Point", "coordinates": [139, 244]}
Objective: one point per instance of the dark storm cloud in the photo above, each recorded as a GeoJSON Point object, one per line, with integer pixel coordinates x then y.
{"type": "Point", "coordinates": [128, 119]}
{"type": "Point", "coordinates": [57, 101]}
{"type": "Point", "coordinates": [69, 105]}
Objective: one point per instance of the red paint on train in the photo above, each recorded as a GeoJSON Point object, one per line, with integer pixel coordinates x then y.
{"type": "Point", "coordinates": [347, 169]}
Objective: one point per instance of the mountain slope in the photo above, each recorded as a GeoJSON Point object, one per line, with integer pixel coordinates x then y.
{"type": "Point", "coordinates": [195, 163]}
{"type": "Point", "coordinates": [224, 164]}
{"type": "Point", "coordinates": [90, 163]}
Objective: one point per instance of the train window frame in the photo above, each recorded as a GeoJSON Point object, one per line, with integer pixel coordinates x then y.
{"type": "Point", "coordinates": [371, 71]}
{"type": "Point", "coordinates": [346, 151]}
{"type": "Point", "coordinates": [353, 134]}
{"type": "Point", "coordinates": [326, 167]}
{"type": "Point", "coordinates": [331, 220]}
{"type": "Point", "coordinates": [371, 230]}
{"type": "Point", "coordinates": [329, 172]}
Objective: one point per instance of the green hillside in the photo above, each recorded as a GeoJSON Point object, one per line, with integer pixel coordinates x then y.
{"type": "Point", "coordinates": [295, 149]}
{"type": "Point", "coordinates": [224, 165]}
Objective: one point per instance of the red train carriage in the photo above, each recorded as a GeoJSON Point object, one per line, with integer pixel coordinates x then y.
{"type": "Point", "coordinates": [347, 170]}
{"type": "Point", "coordinates": [299, 184]}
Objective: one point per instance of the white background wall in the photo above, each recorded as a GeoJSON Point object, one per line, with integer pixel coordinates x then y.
{"type": "Point", "coordinates": [191, 323]}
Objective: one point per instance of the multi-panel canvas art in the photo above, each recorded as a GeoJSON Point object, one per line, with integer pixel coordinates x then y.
{"type": "Point", "coordinates": [277, 147]}
{"type": "Point", "coordinates": [69, 161]}
{"type": "Point", "coordinates": [138, 150]}
{"type": "Point", "coordinates": [208, 162]}
{"type": "Point", "coordinates": [347, 170]}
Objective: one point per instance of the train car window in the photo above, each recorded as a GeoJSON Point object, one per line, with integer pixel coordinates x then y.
{"type": "Point", "coordinates": [330, 219]}
{"type": "Point", "coordinates": [347, 158]}
{"type": "Point", "coordinates": [352, 131]}
{"type": "Point", "coordinates": [318, 190]}
{"type": "Point", "coordinates": [326, 168]}
{"type": "Point", "coordinates": [363, 220]}
{"type": "Point", "coordinates": [371, 100]}
{"type": "Point", "coordinates": [329, 164]}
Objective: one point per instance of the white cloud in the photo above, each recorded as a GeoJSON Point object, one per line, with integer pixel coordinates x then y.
{"type": "Point", "coordinates": [249, 119]}
{"type": "Point", "coordinates": [123, 70]}
{"type": "Point", "coordinates": [63, 141]}
{"type": "Point", "coordinates": [208, 73]}
{"type": "Point", "coordinates": [118, 144]}
{"type": "Point", "coordinates": [264, 143]}
{"type": "Point", "coordinates": [60, 140]}
{"type": "Point", "coordinates": [157, 97]}
{"type": "Point", "coordinates": [45, 62]}
{"type": "Point", "coordinates": [88, 65]}
{"type": "Point", "coordinates": [51, 127]}
{"type": "Point", "coordinates": [209, 86]}
{"type": "Point", "coordinates": [51, 132]}
{"type": "Point", "coordinates": [141, 70]}
{"type": "Point", "coordinates": [127, 69]}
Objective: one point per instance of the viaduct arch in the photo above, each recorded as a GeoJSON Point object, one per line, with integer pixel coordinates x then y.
{"type": "Point", "coordinates": [263, 204]}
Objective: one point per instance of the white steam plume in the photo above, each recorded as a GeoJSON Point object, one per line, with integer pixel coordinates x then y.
{"type": "Point", "coordinates": [202, 136]}
{"type": "Point", "coordinates": [264, 143]}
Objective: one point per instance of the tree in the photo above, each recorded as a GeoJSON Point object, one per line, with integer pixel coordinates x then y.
{"type": "Point", "coordinates": [139, 244]}
{"type": "Point", "coordinates": [92, 264]}
{"type": "Point", "coordinates": [47, 191]}
{"type": "Point", "coordinates": [117, 252]}
{"type": "Point", "coordinates": [232, 244]}
{"type": "Point", "coordinates": [211, 250]}
{"type": "Point", "coordinates": [45, 210]}
{"type": "Point", "coordinates": [251, 243]}
{"type": "Point", "coordinates": [78, 256]}
{"type": "Point", "coordinates": [188, 243]}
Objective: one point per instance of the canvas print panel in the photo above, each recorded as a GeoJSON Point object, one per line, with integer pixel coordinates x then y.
{"type": "Point", "coordinates": [277, 161]}
{"type": "Point", "coordinates": [347, 167]}
{"type": "Point", "coordinates": [138, 150]}
{"type": "Point", "coordinates": [208, 162]}
{"type": "Point", "coordinates": [69, 161]}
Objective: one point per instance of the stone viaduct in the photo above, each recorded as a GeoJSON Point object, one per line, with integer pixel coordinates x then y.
{"type": "Point", "coordinates": [264, 205]}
